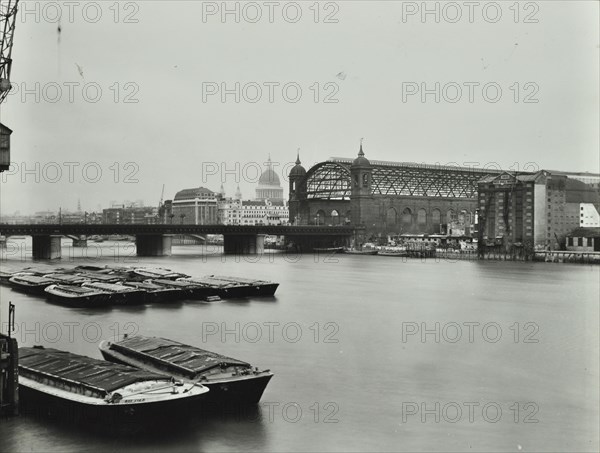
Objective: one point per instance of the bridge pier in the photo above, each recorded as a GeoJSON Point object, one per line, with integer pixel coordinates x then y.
{"type": "Point", "coordinates": [244, 244]}
{"type": "Point", "coordinates": [153, 244]}
{"type": "Point", "coordinates": [46, 247]}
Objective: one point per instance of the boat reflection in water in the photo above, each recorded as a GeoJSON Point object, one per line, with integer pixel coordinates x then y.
{"type": "Point", "coordinates": [95, 391]}
{"type": "Point", "coordinates": [231, 381]}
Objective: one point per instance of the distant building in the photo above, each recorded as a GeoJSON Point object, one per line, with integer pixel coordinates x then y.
{"type": "Point", "coordinates": [269, 186]}
{"type": "Point", "coordinates": [269, 207]}
{"type": "Point", "coordinates": [541, 208]}
{"type": "Point", "coordinates": [264, 212]}
{"type": "Point", "coordinates": [129, 215]}
{"type": "Point", "coordinates": [194, 207]}
{"type": "Point", "coordinates": [511, 207]}
{"type": "Point", "coordinates": [591, 179]}
{"type": "Point", "coordinates": [584, 240]}
{"type": "Point", "coordinates": [588, 216]}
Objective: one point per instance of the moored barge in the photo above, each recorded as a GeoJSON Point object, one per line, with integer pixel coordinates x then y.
{"type": "Point", "coordinates": [189, 289]}
{"type": "Point", "coordinates": [100, 392]}
{"type": "Point", "coordinates": [257, 287]}
{"type": "Point", "coordinates": [158, 272]}
{"type": "Point", "coordinates": [231, 381]}
{"type": "Point", "coordinates": [119, 294]}
{"type": "Point", "coordinates": [77, 296]}
{"type": "Point", "coordinates": [156, 293]}
{"type": "Point", "coordinates": [223, 288]}
{"type": "Point", "coordinates": [32, 284]}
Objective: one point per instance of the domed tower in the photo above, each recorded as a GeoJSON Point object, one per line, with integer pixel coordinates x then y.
{"type": "Point", "coordinates": [361, 173]}
{"type": "Point", "coordinates": [297, 187]}
{"type": "Point", "coordinates": [269, 186]}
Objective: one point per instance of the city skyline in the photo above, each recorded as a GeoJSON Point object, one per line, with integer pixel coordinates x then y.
{"type": "Point", "coordinates": [155, 124]}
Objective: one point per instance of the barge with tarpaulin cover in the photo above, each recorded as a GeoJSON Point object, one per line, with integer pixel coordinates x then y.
{"type": "Point", "coordinates": [256, 287]}
{"type": "Point", "coordinates": [95, 391]}
{"type": "Point", "coordinates": [190, 290]}
{"type": "Point", "coordinates": [31, 284]}
{"type": "Point", "coordinates": [77, 296]}
{"type": "Point", "coordinates": [156, 293]}
{"type": "Point", "coordinates": [231, 382]}
{"type": "Point", "coordinates": [119, 294]}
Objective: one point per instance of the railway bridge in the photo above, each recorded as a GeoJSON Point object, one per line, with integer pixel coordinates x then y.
{"type": "Point", "coordinates": [156, 240]}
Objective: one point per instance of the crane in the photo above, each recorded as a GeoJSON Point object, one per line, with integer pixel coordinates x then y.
{"type": "Point", "coordinates": [8, 15]}
{"type": "Point", "coordinates": [160, 203]}
{"type": "Point", "coordinates": [162, 194]}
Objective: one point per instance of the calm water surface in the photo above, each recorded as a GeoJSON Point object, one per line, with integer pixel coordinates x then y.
{"type": "Point", "coordinates": [508, 360]}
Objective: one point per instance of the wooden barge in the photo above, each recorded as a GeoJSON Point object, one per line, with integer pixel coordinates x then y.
{"type": "Point", "coordinates": [94, 391]}
{"type": "Point", "coordinates": [232, 382]}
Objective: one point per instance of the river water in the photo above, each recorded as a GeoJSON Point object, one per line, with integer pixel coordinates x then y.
{"type": "Point", "coordinates": [369, 353]}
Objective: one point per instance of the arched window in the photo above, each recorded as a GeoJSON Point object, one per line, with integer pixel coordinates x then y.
{"type": "Point", "coordinates": [436, 217]}
{"type": "Point", "coordinates": [335, 217]}
{"type": "Point", "coordinates": [422, 217]}
{"type": "Point", "coordinates": [320, 217]}
{"type": "Point", "coordinates": [391, 217]}
{"type": "Point", "coordinates": [407, 216]}
{"type": "Point", "coordinates": [450, 216]}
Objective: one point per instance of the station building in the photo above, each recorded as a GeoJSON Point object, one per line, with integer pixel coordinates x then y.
{"type": "Point", "coordinates": [194, 207]}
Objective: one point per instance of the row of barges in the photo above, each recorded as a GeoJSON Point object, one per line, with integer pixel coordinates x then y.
{"type": "Point", "coordinates": [143, 379]}
{"type": "Point", "coordinates": [90, 286]}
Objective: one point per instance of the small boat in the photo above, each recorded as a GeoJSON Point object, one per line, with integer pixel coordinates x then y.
{"type": "Point", "coordinates": [189, 290]}
{"type": "Point", "coordinates": [328, 249]}
{"type": "Point", "coordinates": [32, 284]}
{"type": "Point", "coordinates": [257, 287]}
{"type": "Point", "coordinates": [159, 273]}
{"type": "Point", "coordinates": [391, 252]}
{"type": "Point", "coordinates": [360, 252]}
{"type": "Point", "coordinates": [77, 296]}
{"type": "Point", "coordinates": [156, 293]}
{"type": "Point", "coordinates": [96, 391]}
{"type": "Point", "coordinates": [120, 294]}
{"type": "Point", "coordinates": [231, 381]}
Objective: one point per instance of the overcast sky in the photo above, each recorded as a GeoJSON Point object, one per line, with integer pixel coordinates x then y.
{"type": "Point", "coordinates": [373, 57]}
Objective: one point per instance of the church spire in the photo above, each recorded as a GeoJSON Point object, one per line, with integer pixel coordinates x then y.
{"type": "Point", "coordinates": [361, 153]}
{"type": "Point", "coordinates": [298, 157]}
